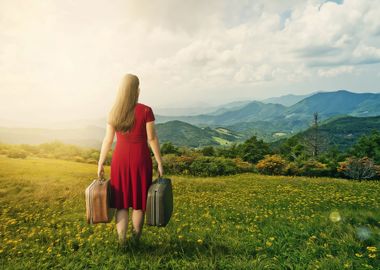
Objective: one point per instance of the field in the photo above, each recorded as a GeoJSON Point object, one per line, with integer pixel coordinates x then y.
{"type": "Point", "coordinates": [246, 221]}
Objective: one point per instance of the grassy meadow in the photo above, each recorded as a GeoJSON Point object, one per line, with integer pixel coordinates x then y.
{"type": "Point", "coordinates": [245, 221]}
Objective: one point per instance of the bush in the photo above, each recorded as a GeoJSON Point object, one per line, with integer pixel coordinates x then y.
{"type": "Point", "coordinates": [358, 168]}
{"type": "Point", "coordinates": [174, 164]}
{"type": "Point", "coordinates": [17, 153]}
{"type": "Point", "coordinates": [169, 148]}
{"type": "Point", "coordinates": [313, 167]}
{"type": "Point", "coordinates": [208, 151]}
{"type": "Point", "coordinates": [271, 164]}
{"type": "Point", "coordinates": [212, 166]}
{"type": "Point", "coordinates": [291, 169]}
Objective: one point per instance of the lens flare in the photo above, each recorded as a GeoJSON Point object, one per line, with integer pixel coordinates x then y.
{"type": "Point", "coordinates": [363, 233]}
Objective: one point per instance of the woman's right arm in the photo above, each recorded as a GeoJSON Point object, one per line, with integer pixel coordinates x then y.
{"type": "Point", "coordinates": [154, 144]}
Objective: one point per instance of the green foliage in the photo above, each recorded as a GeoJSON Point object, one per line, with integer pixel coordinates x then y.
{"type": "Point", "coordinates": [312, 167]}
{"type": "Point", "coordinates": [367, 146]}
{"type": "Point", "coordinates": [228, 152]}
{"type": "Point", "coordinates": [169, 148]}
{"type": "Point", "coordinates": [199, 165]}
{"type": "Point", "coordinates": [253, 150]}
{"type": "Point", "coordinates": [208, 151]}
{"type": "Point", "coordinates": [212, 166]}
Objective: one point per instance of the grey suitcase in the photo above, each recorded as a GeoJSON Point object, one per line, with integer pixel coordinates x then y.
{"type": "Point", "coordinates": [159, 206]}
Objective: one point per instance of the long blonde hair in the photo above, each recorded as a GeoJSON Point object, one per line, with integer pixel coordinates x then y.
{"type": "Point", "coordinates": [122, 114]}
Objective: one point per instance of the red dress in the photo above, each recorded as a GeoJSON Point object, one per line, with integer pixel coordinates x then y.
{"type": "Point", "coordinates": [131, 165]}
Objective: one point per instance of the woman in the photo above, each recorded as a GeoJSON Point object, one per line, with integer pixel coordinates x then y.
{"type": "Point", "coordinates": [131, 166]}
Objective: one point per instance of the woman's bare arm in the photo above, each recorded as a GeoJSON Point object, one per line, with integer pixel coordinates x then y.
{"type": "Point", "coordinates": [107, 143]}
{"type": "Point", "coordinates": [154, 144]}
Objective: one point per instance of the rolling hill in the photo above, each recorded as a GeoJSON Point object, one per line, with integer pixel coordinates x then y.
{"type": "Point", "coordinates": [341, 131]}
{"type": "Point", "coordinates": [182, 133]}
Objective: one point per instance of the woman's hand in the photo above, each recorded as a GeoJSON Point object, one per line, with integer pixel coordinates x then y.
{"type": "Point", "coordinates": [100, 170]}
{"type": "Point", "coordinates": [160, 169]}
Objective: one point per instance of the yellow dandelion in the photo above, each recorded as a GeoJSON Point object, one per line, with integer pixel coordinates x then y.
{"type": "Point", "coordinates": [199, 241]}
{"type": "Point", "coordinates": [372, 249]}
{"type": "Point", "coordinates": [358, 255]}
{"type": "Point", "coordinates": [268, 243]}
{"type": "Point", "coordinates": [271, 238]}
{"type": "Point", "coordinates": [180, 236]}
{"type": "Point", "coordinates": [313, 237]}
{"type": "Point", "coordinates": [372, 255]}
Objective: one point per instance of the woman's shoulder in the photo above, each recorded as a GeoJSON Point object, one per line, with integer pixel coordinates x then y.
{"type": "Point", "coordinates": [143, 105]}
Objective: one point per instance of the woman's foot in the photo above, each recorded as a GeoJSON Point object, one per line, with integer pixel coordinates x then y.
{"type": "Point", "coordinates": [121, 244]}
{"type": "Point", "coordinates": [135, 239]}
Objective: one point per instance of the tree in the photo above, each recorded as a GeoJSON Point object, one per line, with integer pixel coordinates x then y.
{"type": "Point", "coordinates": [358, 168]}
{"type": "Point", "coordinates": [208, 151]}
{"type": "Point", "coordinates": [253, 150]}
{"type": "Point", "coordinates": [367, 145]}
{"type": "Point", "coordinates": [314, 140]}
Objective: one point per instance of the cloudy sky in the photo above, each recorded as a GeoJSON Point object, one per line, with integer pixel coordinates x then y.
{"type": "Point", "coordinates": [64, 59]}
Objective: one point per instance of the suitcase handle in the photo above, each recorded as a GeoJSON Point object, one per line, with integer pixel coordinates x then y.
{"type": "Point", "coordinates": [102, 178]}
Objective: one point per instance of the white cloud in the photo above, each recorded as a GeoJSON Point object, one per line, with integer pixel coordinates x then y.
{"type": "Point", "coordinates": [333, 72]}
{"type": "Point", "coordinates": [76, 52]}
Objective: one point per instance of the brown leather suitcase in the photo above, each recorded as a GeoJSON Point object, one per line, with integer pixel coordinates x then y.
{"type": "Point", "coordinates": [98, 200]}
{"type": "Point", "coordinates": [159, 206]}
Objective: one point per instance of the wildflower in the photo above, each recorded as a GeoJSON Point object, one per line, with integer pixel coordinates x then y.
{"type": "Point", "coordinates": [372, 255]}
{"type": "Point", "coordinates": [313, 237]}
{"type": "Point", "coordinates": [371, 249]}
{"type": "Point", "coordinates": [268, 243]}
{"type": "Point", "coordinates": [358, 255]}
{"type": "Point", "coordinates": [199, 241]}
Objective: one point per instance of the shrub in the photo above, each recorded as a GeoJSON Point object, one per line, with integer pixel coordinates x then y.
{"type": "Point", "coordinates": [208, 151]}
{"type": "Point", "coordinates": [312, 167]}
{"type": "Point", "coordinates": [291, 169]}
{"type": "Point", "coordinates": [17, 153]}
{"type": "Point", "coordinates": [271, 164]}
{"type": "Point", "coordinates": [169, 148]}
{"type": "Point", "coordinates": [212, 166]}
{"type": "Point", "coordinates": [358, 168]}
{"type": "Point", "coordinates": [174, 164]}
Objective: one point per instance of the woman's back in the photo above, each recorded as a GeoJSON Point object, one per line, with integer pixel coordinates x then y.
{"type": "Point", "coordinates": [137, 133]}
{"type": "Point", "coordinates": [131, 165]}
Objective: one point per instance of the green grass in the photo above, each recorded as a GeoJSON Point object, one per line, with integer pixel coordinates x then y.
{"type": "Point", "coordinates": [246, 221]}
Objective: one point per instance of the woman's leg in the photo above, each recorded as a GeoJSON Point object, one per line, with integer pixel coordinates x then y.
{"type": "Point", "coordinates": [122, 224]}
{"type": "Point", "coordinates": [138, 216]}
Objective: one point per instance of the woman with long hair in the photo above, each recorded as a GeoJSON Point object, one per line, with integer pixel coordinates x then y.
{"type": "Point", "coordinates": [131, 165]}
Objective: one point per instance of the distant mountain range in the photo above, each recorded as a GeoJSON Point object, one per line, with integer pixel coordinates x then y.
{"type": "Point", "coordinates": [233, 122]}
{"type": "Point", "coordinates": [274, 119]}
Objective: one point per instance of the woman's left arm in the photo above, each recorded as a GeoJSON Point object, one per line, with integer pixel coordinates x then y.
{"type": "Point", "coordinates": [106, 146]}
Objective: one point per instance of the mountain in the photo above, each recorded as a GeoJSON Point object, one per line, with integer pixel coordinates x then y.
{"type": "Point", "coordinates": [182, 133]}
{"type": "Point", "coordinates": [253, 111]}
{"type": "Point", "coordinates": [200, 109]}
{"type": "Point", "coordinates": [328, 104]}
{"type": "Point", "coordinates": [286, 100]}
{"type": "Point", "coordinates": [341, 131]}
{"type": "Point", "coordinates": [295, 117]}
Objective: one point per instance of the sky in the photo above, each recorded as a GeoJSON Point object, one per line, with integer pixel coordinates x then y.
{"type": "Point", "coordinates": [63, 60]}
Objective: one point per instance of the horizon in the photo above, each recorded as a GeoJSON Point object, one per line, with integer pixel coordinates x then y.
{"type": "Point", "coordinates": [34, 125]}
{"type": "Point", "coordinates": [58, 63]}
